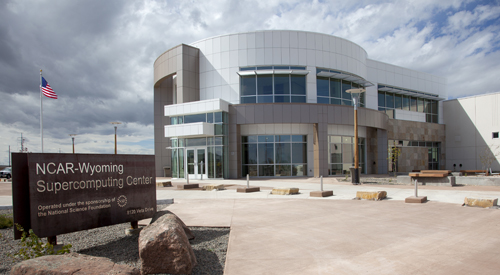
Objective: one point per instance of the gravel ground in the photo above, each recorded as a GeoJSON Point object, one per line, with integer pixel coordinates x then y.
{"type": "Point", "coordinates": [210, 246]}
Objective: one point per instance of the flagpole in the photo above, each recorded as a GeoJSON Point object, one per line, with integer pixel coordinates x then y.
{"type": "Point", "coordinates": [41, 112]}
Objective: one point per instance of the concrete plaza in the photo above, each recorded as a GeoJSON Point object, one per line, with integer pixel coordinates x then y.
{"type": "Point", "coordinates": [298, 234]}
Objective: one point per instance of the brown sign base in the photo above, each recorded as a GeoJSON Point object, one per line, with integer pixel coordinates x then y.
{"type": "Point", "coordinates": [419, 199]}
{"type": "Point", "coordinates": [247, 189]}
{"type": "Point", "coordinates": [188, 186]}
{"type": "Point", "coordinates": [321, 193]}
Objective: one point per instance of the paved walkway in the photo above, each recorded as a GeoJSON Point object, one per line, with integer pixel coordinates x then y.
{"type": "Point", "coordinates": [296, 234]}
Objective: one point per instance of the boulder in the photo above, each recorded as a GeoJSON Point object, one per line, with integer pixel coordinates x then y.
{"type": "Point", "coordinates": [71, 263]}
{"type": "Point", "coordinates": [164, 246]}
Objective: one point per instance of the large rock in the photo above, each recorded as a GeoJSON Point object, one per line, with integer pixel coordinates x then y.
{"type": "Point", "coordinates": [71, 263]}
{"type": "Point", "coordinates": [164, 246]}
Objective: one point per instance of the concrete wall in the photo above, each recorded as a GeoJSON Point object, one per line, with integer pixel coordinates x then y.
{"type": "Point", "coordinates": [470, 122]}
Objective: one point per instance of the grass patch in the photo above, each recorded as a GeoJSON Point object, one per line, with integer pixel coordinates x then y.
{"type": "Point", "coordinates": [6, 221]}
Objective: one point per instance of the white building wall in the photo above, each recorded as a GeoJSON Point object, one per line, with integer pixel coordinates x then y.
{"type": "Point", "coordinates": [470, 123]}
{"type": "Point", "coordinates": [221, 57]}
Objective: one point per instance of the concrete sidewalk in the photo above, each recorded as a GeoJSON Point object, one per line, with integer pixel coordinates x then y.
{"type": "Point", "coordinates": [290, 236]}
{"type": "Point", "coordinates": [297, 234]}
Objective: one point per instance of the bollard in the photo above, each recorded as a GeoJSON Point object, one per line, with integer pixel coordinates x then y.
{"type": "Point", "coordinates": [321, 183]}
{"type": "Point", "coordinates": [416, 188]}
{"type": "Point", "coordinates": [201, 168]}
{"type": "Point", "coordinates": [248, 181]}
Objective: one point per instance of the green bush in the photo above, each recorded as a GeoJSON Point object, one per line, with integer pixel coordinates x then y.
{"type": "Point", "coordinates": [6, 221]}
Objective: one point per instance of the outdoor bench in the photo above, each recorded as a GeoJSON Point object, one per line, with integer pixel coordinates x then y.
{"type": "Point", "coordinates": [472, 171]}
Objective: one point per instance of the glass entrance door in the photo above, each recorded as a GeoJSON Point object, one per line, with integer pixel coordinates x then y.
{"type": "Point", "coordinates": [196, 163]}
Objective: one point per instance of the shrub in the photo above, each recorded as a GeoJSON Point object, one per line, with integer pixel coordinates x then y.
{"type": "Point", "coordinates": [6, 221]}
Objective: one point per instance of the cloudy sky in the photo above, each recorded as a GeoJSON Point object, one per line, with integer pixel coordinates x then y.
{"type": "Point", "coordinates": [98, 55]}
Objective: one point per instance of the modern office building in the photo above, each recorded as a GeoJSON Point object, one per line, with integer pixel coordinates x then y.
{"type": "Point", "coordinates": [274, 104]}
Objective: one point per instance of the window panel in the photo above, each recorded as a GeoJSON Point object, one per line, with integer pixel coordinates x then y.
{"type": "Point", "coordinates": [281, 84]}
{"type": "Point", "coordinates": [335, 101]}
{"type": "Point", "coordinates": [248, 99]}
{"type": "Point", "coordinates": [299, 152]}
{"type": "Point", "coordinates": [323, 100]}
{"type": "Point", "coordinates": [398, 102]}
{"type": "Point", "coordinates": [335, 88]}
{"type": "Point", "coordinates": [381, 99]}
{"type": "Point", "coordinates": [195, 118]}
{"type": "Point", "coordinates": [413, 104]}
{"type": "Point", "coordinates": [420, 107]}
{"type": "Point", "coordinates": [406, 103]}
{"type": "Point", "coordinates": [266, 170]}
{"type": "Point", "coordinates": [346, 85]}
{"type": "Point", "coordinates": [265, 85]}
{"type": "Point", "coordinates": [282, 98]}
{"type": "Point", "coordinates": [248, 85]}
{"type": "Point", "coordinates": [249, 152]}
{"type": "Point", "coordinates": [265, 99]}
{"type": "Point", "coordinates": [389, 100]}
{"type": "Point", "coordinates": [298, 99]}
{"type": "Point", "coordinates": [283, 170]}
{"type": "Point", "coordinates": [298, 85]}
{"type": "Point", "coordinates": [322, 86]}
{"type": "Point", "coordinates": [299, 170]}
{"type": "Point", "coordinates": [283, 153]}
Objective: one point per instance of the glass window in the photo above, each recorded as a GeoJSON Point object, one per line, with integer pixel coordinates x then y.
{"type": "Point", "coordinates": [195, 118]}
{"type": "Point", "coordinates": [219, 166]}
{"type": "Point", "coordinates": [265, 99]}
{"type": "Point", "coordinates": [282, 98]}
{"type": "Point", "coordinates": [250, 170]}
{"type": "Point", "coordinates": [298, 99]}
{"type": "Point", "coordinates": [322, 86]}
{"type": "Point", "coordinates": [299, 152]}
{"type": "Point", "coordinates": [434, 107]}
{"type": "Point", "coordinates": [196, 142]}
{"type": "Point", "coordinates": [283, 138]}
{"type": "Point", "coordinates": [323, 100]}
{"type": "Point", "coordinates": [389, 100]}
{"type": "Point", "coordinates": [413, 104]}
{"type": "Point", "coordinates": [335, 101]}
{"type": "Point", "coordinates": [398, 102]}
{"type": "Point", "coordinates": [248, 85]}
{"type": "Point", "coordinates": [299, 138]}
{"type": "Point", "coordinates": [406, 103]}
{"type": "Point", "coordinates": [298, 85]}
{"type": "Point", "coordinates": [265, 85]}
{"type": "Point", "coordinates": [283, 170]}
{"type": "Point", "coordinates": [299, 170]}
{"type": "Point", "coordinates": [266, 170]}
{"type": "Point", "coordinates": [420, 107]}
{"type": "Point", "coordinates": [248, 99]}
{"type": "Point", "coordinates": [283, 153]}
{"type": "Point", "coordinates": [381, 99]}
{"type": "Point", "coordinates": [210, 117]}
{"type": "Point", "coordinates": [281, 84]}
{"type": "Point", "coordinates": [218, 117]}
{"type": "Point", "coordinates": [265, 139]}
{"type": "Point", "coordinates": [249, 153]}
{"type": "Point", "coordinates": [335, 88]}
{"type": "Point", "coordinates": [346, 85]}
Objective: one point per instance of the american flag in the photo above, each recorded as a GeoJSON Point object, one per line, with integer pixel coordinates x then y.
{"type": "Point", "coordinates": [47, 90]}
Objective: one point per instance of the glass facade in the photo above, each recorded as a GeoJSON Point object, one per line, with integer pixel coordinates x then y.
{"type": "Point", "coordinates": [341, 154]}
{"type": "Point", "coordinates": [274, 155]}
{"type": "Point", "coordinates": [216, 146]}
{"type": "Point", "coordinates": [273, 84]}
{"type": "Point", "coordinates": [388, 102]}
{"type": "Point", "coordinates": [333, 91]}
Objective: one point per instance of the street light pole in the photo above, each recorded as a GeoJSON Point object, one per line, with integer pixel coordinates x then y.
{"type": "Point", "coordinates": [73, 141]}
{"type": "Point", "coordinates": [355, 93]}
{"type": "Point", "coordinates": [115, 123]}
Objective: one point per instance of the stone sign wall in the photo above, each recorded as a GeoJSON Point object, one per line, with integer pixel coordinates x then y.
{"type": "Point", "coordinates": [60, 193]}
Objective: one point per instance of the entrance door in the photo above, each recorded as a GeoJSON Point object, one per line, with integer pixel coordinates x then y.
{"type": "Point", "coordinates": [196, 163]}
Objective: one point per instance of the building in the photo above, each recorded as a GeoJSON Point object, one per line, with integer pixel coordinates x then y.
{"type": "Point", "coordinates": [472, 132]}
{"type": "Point", "coordinates": [274, 103]}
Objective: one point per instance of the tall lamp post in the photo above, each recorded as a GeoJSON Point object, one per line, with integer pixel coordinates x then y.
{"type": "Point", "coordinates": [73, 141]}
{"type": "Point", "coordinates": [115, 123]}
{"type": "Point", "coordinates": [355, 93]}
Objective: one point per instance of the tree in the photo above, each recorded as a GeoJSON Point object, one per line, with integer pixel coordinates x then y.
{"type": "Point", "coordinates": [394, 153]}
{"type": "Point", "coordinates": [488, 155]}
